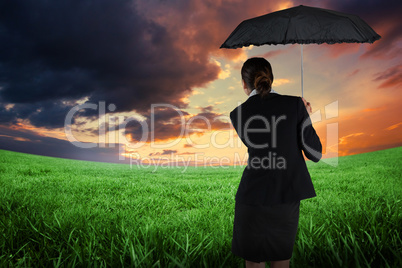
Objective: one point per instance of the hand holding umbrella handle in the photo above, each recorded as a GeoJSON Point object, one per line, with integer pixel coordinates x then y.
{"type": "Point", "coordinates": [308, 106]}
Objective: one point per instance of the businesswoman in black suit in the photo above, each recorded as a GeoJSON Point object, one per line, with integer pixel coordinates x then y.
{"type": "Point", "coordinates": [276, 129]}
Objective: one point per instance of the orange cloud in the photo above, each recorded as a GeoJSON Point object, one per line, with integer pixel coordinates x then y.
{"type": "Point", "coordinates": [16, 138]}
{"type": "Point", "coordinates": [394, 126]}
{"type": "Point", "coordinates": [336, 50]}
{"type": "Point", "coordinates": [271, 54]}
{"type": "Point", "coordinates": [386, 47]}
{"type": "Point", "coordinates": [184, 153]}
{"type": "Point", "coordinates": [367, 130]}
{"type": "Point", "coordinates": [281, 81]}
{"type": "Point", "coordinates": [169, 124]}
{"type": "Point", "coordinates": [390, 77]}
{"type": "Point", "coordinates": [353, 73]}
{"type": "Point", "coordinates": [207, 25]}
{"type": "Point", "coordinates": [346, 139]}
{"type": "Point", "coordinates": [374, 109]}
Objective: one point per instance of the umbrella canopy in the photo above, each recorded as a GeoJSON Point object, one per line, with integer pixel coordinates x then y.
{"type": "Point", "coordinates": [301, 25]}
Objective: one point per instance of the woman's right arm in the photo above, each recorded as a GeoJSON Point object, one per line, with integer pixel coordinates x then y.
{"type": "Point", "coordinates": [307, 137]}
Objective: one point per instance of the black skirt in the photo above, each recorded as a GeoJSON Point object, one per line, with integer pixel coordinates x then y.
{"type": "Point", "coordinates": [265, 233]}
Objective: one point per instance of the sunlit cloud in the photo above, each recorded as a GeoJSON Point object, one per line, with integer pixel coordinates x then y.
{"type": "Point", "coordinates": [224, 72]}
{"type": "Point", "coordinates": [280, 82]}
{"type": "Point", "coordinates": [285, 4]}
{"type": "Point", "coordinates": [270, 54]}
{"type": "Point", "coordinates": [9, 106]}
{"type": "Point", "coordinates": [373, 109]}
{"type": "Point", "coordinates": [346, 139]}
{"type": "Point", "coordinates": [17, 138]}
{"type": "Point", "coordinates": [197, 92]}
{"type": "Point", "coordinates": [394, 126]}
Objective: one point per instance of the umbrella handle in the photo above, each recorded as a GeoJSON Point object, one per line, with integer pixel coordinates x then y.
{"type": "Point", "coordinates": [301, 65]}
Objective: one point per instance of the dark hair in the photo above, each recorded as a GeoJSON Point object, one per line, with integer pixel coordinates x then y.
{"type": "Point", "coordinates": [257, 73]}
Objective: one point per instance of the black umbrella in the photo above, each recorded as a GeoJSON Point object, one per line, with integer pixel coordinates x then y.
{"type": "Point", "coordinates": [301, 25]}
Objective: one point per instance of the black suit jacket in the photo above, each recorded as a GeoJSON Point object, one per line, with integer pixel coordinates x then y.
{"type": "Point", "coordinates": [275, 130]}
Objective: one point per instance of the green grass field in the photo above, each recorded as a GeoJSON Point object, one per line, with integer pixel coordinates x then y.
{"type": "Point", "coordinates": [65, 213]}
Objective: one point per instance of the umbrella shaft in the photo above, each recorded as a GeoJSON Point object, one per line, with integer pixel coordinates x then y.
{"type": "Point", "coordinates": [301, 53]}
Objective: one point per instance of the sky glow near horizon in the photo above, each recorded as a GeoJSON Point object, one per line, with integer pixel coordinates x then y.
{"type": "Point", "coordinates": [154, 55]}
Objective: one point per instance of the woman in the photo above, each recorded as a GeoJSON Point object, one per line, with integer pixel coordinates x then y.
{"type": "Point", "coordinates": [276, 129]}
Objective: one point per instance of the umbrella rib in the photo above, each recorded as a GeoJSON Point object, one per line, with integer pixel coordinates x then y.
{"type": "Point", "coordinates": [286, 32]}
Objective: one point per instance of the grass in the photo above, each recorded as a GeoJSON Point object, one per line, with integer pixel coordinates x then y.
{"type": "Point", "coordinates": [68, 213]}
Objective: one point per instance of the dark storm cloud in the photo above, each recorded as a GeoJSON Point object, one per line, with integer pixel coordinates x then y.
{"type": "Point", "coordinates": [66, 50]}
{"type": "Point", "coordinates": [207, 109]}
{"type": "Point", "coordinates": [131, 53]}
{"type": "Point", "coordinates": [48, 113]}
{"type": "Point", "coordinates": [7, 116]}
{"type": "Point", "coordinates": [167, 123]}
{"type": "Point", "coordinates": [165, 152]}
{"type": "Point", "coordinates": [163, 124]}
{"type": "Point", "coordinates": [383, 16]}
{"type": "Point", "coordinates": [210, 120]}
{"type": "Point", "coordinates": [26, 141]}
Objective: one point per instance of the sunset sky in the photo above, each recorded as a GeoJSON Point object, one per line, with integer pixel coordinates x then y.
{"type": "Point", "coordinates": [127, 57]}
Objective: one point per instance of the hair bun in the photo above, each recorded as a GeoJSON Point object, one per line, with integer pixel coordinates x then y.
{"type": "Point", "coordinates": [263, 83]}
{"type": "Point", "coordinates": [257, 74]}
